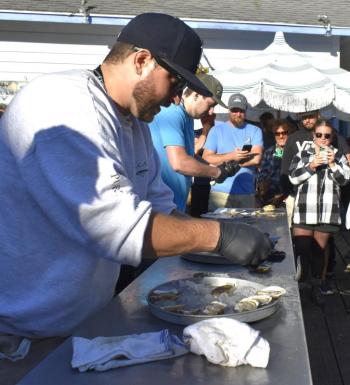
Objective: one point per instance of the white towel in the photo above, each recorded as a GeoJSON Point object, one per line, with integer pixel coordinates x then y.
{"type": "Point", "coordinates": [13, 348]}
{"type": "Point", "coordinates": [104, 353]}
{"type": "Point", "coordinates": [347, 219]}
{"type": "Point", "coordinates": [227, 342]}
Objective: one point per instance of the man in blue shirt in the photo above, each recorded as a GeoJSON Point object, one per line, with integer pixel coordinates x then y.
{"type": "Point", "coordinates": [173, 137]}
{"type": "Point", "coordinates": [226, 142]}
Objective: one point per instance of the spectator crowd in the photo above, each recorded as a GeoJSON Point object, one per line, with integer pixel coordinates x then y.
{"type": "Point", "coordinates": [300, 164]}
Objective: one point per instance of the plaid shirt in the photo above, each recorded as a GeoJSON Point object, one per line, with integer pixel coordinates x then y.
{"type": "Point", "coordinates": [270, 169]}
{"type": "Point", "coordinates": [317, 199]}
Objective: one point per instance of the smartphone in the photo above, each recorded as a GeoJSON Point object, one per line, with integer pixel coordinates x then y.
{"type": "Point", "coordinates": [247, 147]}
{"type": "Point", "coordinates": [324, 154]}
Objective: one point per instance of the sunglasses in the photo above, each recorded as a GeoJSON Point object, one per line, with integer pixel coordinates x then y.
{"type": "Point", "coordinates": [320, 135]}
{"type": "Point", "coordinates": [281, 133]}
{"type": "Point", "coordinates": [180, 82]}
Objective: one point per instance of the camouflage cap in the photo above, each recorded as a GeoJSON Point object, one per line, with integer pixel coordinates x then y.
{"type": "Point", "coordinates": [214, 86]}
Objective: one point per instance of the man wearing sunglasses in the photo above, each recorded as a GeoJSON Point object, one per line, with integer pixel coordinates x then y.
{"type": "Point", "coordinates": [81, 192]}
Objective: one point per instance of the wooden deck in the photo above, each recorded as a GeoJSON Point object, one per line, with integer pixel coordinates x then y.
{"type": "Point", "coordinates": [327, 326]}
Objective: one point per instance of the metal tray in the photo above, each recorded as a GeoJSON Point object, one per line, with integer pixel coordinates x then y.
{"type": "Point", "coordinates": [244, 289]}
{"type": "Point", "coordinates": [210, 258]}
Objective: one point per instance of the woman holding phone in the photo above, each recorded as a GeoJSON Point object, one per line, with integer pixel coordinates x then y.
{"type": "Point", "coordinates": [318, 172]}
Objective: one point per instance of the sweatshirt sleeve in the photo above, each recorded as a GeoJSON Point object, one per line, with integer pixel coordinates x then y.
{"type": "Point", "coordinates": [341, 172]}
{"type": "Point", "coordinates": [288, 154]}
{"type": "Point", "coordinates": [299, 170]}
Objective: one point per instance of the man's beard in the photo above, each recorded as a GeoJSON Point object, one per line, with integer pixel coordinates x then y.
{"type": "Point", "coordinates": [145, 101]}
{"type": "Point", "coordinates": [237, 122]}
{"type": "Point", "coordinates": [310, 126]}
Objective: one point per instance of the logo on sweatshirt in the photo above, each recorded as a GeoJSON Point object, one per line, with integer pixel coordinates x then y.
{"type": "Point", "coordinates": [141, 168]}
{"type": "Point", "coordinates": [116, 182]}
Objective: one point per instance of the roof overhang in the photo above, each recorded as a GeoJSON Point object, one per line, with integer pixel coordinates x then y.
{"type": "Point", "coordinates": [121, 20]}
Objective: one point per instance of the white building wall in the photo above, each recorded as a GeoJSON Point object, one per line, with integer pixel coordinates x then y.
{"type": "Point", "coordinates": [23, 61]}
{"type": "Point", "coordinates": [30, 49]}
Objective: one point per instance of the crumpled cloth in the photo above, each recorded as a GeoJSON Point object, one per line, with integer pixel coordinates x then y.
{"type": "Point", "coordinates": [13, 348]}
{"type": "Point", "coordinates": [104, 353]}
{"type": "Point", "coordinates": [227, 342]}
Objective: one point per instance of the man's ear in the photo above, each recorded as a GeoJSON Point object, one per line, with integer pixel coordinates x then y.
{"type": "Point", "coordinates": [144, 62]}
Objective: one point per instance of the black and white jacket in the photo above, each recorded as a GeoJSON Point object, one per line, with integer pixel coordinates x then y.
{"type": "Point", "coordinates": [317, 199]}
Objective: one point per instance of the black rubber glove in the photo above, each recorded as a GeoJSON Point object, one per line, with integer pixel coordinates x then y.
{"type": "Point", "coordinates": [227, 169]}
{"type": "Point", "coordinates": [243, 244]}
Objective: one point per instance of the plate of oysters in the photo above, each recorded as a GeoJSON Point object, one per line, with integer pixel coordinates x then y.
{"type": "Point", "coordinates": [186, 301]}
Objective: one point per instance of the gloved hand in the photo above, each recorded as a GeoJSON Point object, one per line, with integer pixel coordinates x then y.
{"type": "Point", "coordinates": [243, 244]}
{"type": "Point", "coordinates": [227, 169]}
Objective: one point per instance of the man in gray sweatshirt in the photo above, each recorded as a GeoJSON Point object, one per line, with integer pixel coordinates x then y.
{"type": "Point", "coordinates": [81, 192]}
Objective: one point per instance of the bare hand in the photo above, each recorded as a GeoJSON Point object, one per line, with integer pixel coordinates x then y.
{"type": "Point", "coordinates": [330, 158]}
{"type": "Point", "coordinates": [240, 156]}
{"type": "Point", "coordinates": [317, 161]}
{"type": "Point", "coordinates": [208, 121]}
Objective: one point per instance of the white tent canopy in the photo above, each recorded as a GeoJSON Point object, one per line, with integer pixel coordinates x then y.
{"type": "Point", "coordinates": [288, 80]}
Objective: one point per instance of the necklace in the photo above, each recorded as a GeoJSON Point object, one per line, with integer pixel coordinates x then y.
{"type": "Point", "coordinates": [98, 73]}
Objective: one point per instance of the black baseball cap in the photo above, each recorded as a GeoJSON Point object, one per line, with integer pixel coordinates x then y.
{"type": "Point", "coordinates": [170, 41]}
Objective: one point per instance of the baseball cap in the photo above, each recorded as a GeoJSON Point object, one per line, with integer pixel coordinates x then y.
{"type": "Point", "coordinates": [214, 86]}
{"type": "Point", "coordinates": [237, 101]}
{"type": "Point", "coordinates": [307, 113]}
{"type": "Point", "coordinates": [175, 45]}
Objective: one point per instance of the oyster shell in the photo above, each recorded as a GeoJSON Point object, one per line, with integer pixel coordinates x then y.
{"type": "Point", "coordinates": [269, 208]}
{"type": "Point", "coordinates": [228, 289]}
{"type": "Point", "coordinates": [246, 304]}
{"type": "Point", "coordinates": [273, 291]}
{"type": "Point", "coordinates": [162, 295]}
{"type": "Point", "coordinates": [263, 299]}
{"type": "Point", "coordinates": [174, 308]}
{"type": "Point", "coordinates": [214, 308]}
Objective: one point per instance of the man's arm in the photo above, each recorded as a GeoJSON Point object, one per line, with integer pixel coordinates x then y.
{"type": "Point", "coordinates": [186, 164]}
{"type": "Point", "coordinates": [256, 156]}
{"type": "Point", "coordinates": [237, 155]}
{"type": "Point", "coordinates": [173, 235]}
{"type": "Point", "coordinates": [170, 235]}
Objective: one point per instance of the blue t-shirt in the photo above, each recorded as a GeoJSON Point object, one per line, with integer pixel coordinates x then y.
{"type": "Point", "coordinates": [173, 126]}
{"type": "Point", "coordinates": [223, 138]}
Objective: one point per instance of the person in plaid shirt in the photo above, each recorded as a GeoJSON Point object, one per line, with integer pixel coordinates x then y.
{"type": "Point", "coordinates": [318, 172]}
{"type": "Point", "coordinates": [268, 180]}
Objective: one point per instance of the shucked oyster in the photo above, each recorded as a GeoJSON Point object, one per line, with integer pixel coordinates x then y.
{"type": "Point", "coordinates": [162, 295]}
{"type": "Point", "coordinates": [246, 304]}
{"type": "Point", "coordinates": [214, 308]}
{"type": "Point", "coordinates": [269, 208]}
{"type": "Point", "coordinates": [263, 299]}
{"type": "Point", "coordinates": [174, 308]}
{"type": "Point", "coordinates": [273, 291]}
{"type": "Point", "coordinates": [228, 289]}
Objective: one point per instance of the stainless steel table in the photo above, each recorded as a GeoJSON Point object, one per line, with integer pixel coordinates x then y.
{"type": "Point", "coordinates": [128, 314]}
